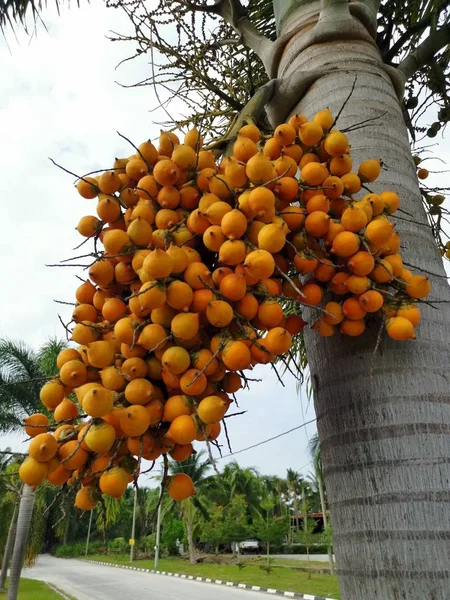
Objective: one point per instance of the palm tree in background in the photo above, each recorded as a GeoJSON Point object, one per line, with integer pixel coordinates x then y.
{"type": "Point", "coordinates": [236, 480]}
{"type": "Point", "coordinates": [275, 488]}
{"type": "Point", "coordinates": [22, 373]}
{"type": "Point", "coordinates": [293, 478]}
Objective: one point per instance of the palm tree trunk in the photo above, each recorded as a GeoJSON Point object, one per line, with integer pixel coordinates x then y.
{"type": "Point", "coordinates": [66, 530]}
{"type": "Point", "coordinates": [189, 531]}
{"type": "Point", "coordinates": [23, 527]}
{"type": "Point", "coordinates": [8, 549]}
{"type": "Point", "coordinates": [296, 523]}
{"type": "Point", "coordinates": [304, 511]}
{"type": "Point", "coordinates": [382, 419]}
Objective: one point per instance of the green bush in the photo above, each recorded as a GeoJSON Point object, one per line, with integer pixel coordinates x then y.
{"type": "Point", "coordinates": [146, 545]}
{"type": "Point", "coordinates": [172, 530]}
{"type": "Point", "coordinates": [75, 550]}
{"type": "Point", "coordinates": [70, 550]}
{"type": "Point", "coordinates": [298, 549]}
{"type": "Point", "coordinates": [118, 546]}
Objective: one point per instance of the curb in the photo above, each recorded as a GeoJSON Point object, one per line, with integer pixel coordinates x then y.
{"type": "Point", "coordinates": [241, 586]}
{"type": "Point", "coordinates": [57, 591]}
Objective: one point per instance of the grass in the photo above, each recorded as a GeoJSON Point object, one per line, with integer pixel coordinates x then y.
{"type": "Point", "coordinates": [289, 580]}
{"type": "Point", "coordinates": [32, 589]}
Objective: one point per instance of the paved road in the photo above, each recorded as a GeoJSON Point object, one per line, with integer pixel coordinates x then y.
{"type": "Point", "coordinates": [88, 581]}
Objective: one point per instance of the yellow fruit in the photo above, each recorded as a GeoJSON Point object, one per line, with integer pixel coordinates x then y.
{"type": "Point", "coordinates": [98, 401]}
{"type": "Point", "coordinates": [32, 472]}
{"type": "Point", "coordinates": [180, 487]}
{"type": "Point", "coordinates": [211, 409]}
{"type": "Point", "coordinates": [100, 354]}
{"type": "Point", "coordinates": [400, 328]}
{"type": "Point", "coordinates": [43, 447]}
{"type": "Point", "coordinates": [100, 437]}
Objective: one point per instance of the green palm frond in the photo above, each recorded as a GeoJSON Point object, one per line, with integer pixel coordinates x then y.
{"type": "Point", "coordinates": [22, 12]}
{"type": "Point", "coordinates": [47, 355]}
{"type": "Point", "coordinates": [22, 374]}
{"type": "Point", "coordinates": [18, 360]}
{"type": "Point", "coordinates": [314, 445]}
{"type": "Point", "coordinates": [19, 393]}
{"type": "Point", "coordinates": [194, 466]}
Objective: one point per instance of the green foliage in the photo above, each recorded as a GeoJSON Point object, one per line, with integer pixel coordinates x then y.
{"type": "Point", "coordinates": [172, 531]}
{"type": "Point", "coordinates": [235, 524]}
{"type": "Point", "coordinates": [268, 566]}
{"type": "Point", "coordinates": [147, 544]}
{"type": "Point", "coordinates": [70, 550]}
{"type": "Point", "coordinates": [271, 530]}
{"type": "Point", "coordinates": [212, 529]}
{"type": "Point", "coordinates": [118, 545]}
{"type": "Point", "coordinates": [75, 550]}
{"type": "Point", "coordinates": [22, 373]}
{"type": "Point", "coordinates": [306, 535]}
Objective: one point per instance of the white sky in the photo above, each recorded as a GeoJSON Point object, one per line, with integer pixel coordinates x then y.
{"type": "Point", "coordinates": [59, 99]}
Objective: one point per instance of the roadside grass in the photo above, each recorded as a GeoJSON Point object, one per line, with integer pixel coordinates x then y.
{"type": "Point", "coordinates": [32, 589]}
{"type": "Point", "coordinates": [281, 578]}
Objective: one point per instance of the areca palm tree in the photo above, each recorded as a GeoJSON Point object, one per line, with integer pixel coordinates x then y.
{"type": "Point", "coordinates": [8, 512]}
{"type": "Point", "coordinates": [275, 488]}
{"type": "Point", "coordinates": [246, 481]}
{"type": "Point", "coordinates": [22, 372]}
{"type": "Point", "coordinates": [292, 479]}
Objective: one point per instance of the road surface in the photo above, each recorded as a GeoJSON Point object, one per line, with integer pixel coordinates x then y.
{"type": "Point", "coordinates": [87, 581]}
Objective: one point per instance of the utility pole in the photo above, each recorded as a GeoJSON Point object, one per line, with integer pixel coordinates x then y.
{"type": "Point", "coordinates": [133, 526]}
{"type": "Point", "coordinates": [89, 533]}
{"type": "Point", "coordinates": [158, 535]}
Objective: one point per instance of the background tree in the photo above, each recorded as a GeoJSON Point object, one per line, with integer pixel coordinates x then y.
{"type": "Point", "coordinates": [236, 480]}
{"type": "Point", "coordinates": [22, 374]}
{"type": "Point", "coordinates": [307, 538]}
{"type": "Point", "coordinates": [269, 529]}
{"type": "Point", "coordinates": [235, 522]}
{"type": "Point", "coordinates": [212, 530]}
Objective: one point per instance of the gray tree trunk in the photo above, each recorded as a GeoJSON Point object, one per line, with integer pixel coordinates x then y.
{"type": "Point", "coordinates": [8, 549]}
{"type": "Point", "coordinates": [383, 420]}
{"type": "Point", "coordinates": [23, 527]}
{"type": "Point", "coordinates": [295, 504]}
{"type": "Point", "coordinates": [304, 511]}
{"type": "Point", "coordinates": [189, 532]}
{"type": "Point", "coordinates": [66, 530]}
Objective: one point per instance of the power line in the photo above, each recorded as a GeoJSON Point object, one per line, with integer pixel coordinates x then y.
{"type": "Point", "coordinates": [275, 437]}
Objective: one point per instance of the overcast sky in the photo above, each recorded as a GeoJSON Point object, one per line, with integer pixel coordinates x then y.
{"type": "Point", "coordinates": [59, 99]}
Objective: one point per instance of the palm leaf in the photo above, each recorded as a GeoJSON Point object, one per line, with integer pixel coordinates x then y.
{"type": "Point", "coordinates": [22, 374]}
{"type": "Point", "coordinates": [19, 12]}
{"type": "Point", "coordinates": [47, 355]}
